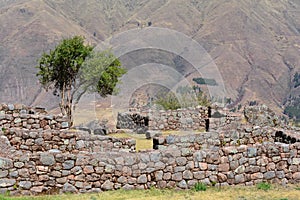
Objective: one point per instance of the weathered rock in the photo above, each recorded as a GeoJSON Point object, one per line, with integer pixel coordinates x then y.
{"type": "Point", "coordinates": [69, 188]}
{"type": "Point", "coordinates": [177, 176]}
{"type": "Point", "coordinates": [3, 173]}
{"type": "Point", "coordinates": [182, 184]}
{"type": "Point", "coordinates": [5, 182]}
{"type": "Point", "coordinates": [296, 176]}
{"type": "Point", "coordinates": [47, 159]}
{"type": "Point", "coordinates": [25, 184]}
{"type": "Point", "coordinates": [107, 185]}
{"type": "Point", "coordinates": [142, 179]}
{"type": "Point", "coordinates": [6, 163]}
{"type": "Point", "coordinates": [128, 187]}
{"type": "Point", "coordinates": [181, 161]}
{"type": "Point", "coordinates": [223, 167]}
{"type": "Point", "coordinates": [187, 174]}
{"type": "Point", "coordinates": [239, 178]}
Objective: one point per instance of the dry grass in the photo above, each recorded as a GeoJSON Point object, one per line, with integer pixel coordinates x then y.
{"type": "Point", "coordinates": [226, 193]}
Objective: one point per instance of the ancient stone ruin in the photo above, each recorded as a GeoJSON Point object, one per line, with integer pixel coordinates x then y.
{"type": "Point", "coordinates": [233, 152]}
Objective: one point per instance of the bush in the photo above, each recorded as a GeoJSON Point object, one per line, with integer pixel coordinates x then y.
{"type": "Point", "coordinates": [199, 187]}
{"type": "Point", "coordinates": [263, 186]}
{"type": "Point", "coordinates": [169, 102]}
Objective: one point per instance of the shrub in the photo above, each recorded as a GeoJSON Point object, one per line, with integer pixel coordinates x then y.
{"type": "Point", "coordinates": [169, 102]}
{"type": "Point", "coordinates": [263, 186]}
{"type": "Point", "coordinates": [199, 187]}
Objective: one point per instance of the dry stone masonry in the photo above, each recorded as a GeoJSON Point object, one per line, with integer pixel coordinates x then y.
{"type": "Point", "coordinates": [20, 116]}
{"type": "Point", "coordinates": [181, 119]}
{"type": "Point", "coordinates": [89, 170]}
{"type": "Point", "coordinates": [55, 161]}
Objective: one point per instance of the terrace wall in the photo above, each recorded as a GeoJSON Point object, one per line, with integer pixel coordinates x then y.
{"type": "Point", "coordinates": [28, 171]}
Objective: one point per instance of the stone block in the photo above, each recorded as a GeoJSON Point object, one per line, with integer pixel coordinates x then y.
{"type": "Point", "coordinates": [269, 175]}
{"type": "Point", "coordinates": [67, 187]}
{"type": "Point", "coordinates": [47, 159]}
{"type": "Point", "coordinates": [187, 174]}
{"type": "Point", "coordinates": [223, 167]}
{"type": "Point", "coordinates": [25, 185]}
{"type": "Point", "coordinates": [5, 182]}
{"type": "Point", "coordinates": [68, 164]}
{"type": "Point", "coordinates": [177, 176]}
{"type": "Point", "coordinates": [239, 179]}
{"type": "Point", "coordinates": [142, 179]}
{"type": "Point", "coordinates": [182, 184]}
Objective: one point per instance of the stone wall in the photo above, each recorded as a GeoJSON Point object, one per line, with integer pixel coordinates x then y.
{"type": "Point", "coordinates": [53, 161]}
{"type": "Point", "coordinates": [247, 135]}
{"type": "Point", "coordinates": [20, 116]}
{"type": "Point", "coordinates": [67, 141]}
{"type": "Point", "coordinates": [181, 119]}
{"type": "Point", "coordinates": [175, 166]}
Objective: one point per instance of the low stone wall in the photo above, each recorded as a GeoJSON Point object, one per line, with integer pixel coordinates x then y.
{"type": "Point", "coordinates": [217, 123]}
{"type": "Point", "coordinates": [181, 119]}
{"type": "Point", "coordinates": [34, 173]}
{"type": "Point", "coordinates": [262, 116]}
{"type": "Point", "coordinates": [233, 137]}
{"type": "Point", "coordinates": [20, 116]}
{"type": "Point", "coordinates": [65, 141]}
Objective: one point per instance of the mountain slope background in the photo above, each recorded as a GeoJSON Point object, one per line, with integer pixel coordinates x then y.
{"type": "Point", "coordinates": [254, 43]}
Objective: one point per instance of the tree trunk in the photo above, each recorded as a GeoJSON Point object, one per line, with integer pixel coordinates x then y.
{"type": "Point", "coordinates": [66, 105]}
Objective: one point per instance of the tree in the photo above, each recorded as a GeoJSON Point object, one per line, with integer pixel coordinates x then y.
{"type": "Point", "coordinates": [109, 68]}
{"type": "Point", "coordinates": [72, 67]}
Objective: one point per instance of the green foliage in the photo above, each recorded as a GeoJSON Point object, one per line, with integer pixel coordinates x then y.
{"type": "Point", "coordinates": [73, 68]}
{"type": "Point", "coordinates": [60, 67]}
{"type": "Point", "coordinates": [109, 78]}
{"type": "Point", "coordinates": [185, 97]}
{"type": "Point", "coordinates": [101, 72]}
{"type": "Point", "coordinates": [205, 81]}
{"type": "Point", "coordinates": [263, 186]}
{"type": "Point", "coordinates": [199, 187]}
{"type": "Point", "coordinates": [168, 102]}
{"type": "Point", "coordinates": [3, 129]}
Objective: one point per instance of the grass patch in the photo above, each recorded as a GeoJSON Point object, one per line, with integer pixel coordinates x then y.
{"type": "Point", "coordinates": [263, 186]}
{"type": "Point", "coordinates": [200, 187]}
{"type": "Point", "coordinates": [212, 193]}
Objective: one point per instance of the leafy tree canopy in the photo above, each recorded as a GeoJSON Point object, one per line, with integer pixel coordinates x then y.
{"type": "Point", "coordinates": [73, 68]}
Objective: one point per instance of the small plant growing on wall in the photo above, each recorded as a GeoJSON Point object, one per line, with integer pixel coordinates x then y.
{"type": "Point", "coordinates": [199, 187]}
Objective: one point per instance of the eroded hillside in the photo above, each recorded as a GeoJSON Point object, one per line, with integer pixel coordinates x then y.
{"type": "Point", "coordinates": [254, 43]}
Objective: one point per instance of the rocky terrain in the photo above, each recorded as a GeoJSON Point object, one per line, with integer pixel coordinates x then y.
{"type": "Point", "coordinates": [255, 44]}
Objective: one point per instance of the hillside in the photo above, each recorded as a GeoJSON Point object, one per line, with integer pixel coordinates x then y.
{"type": "Point", "coordinates": [254, 43]}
